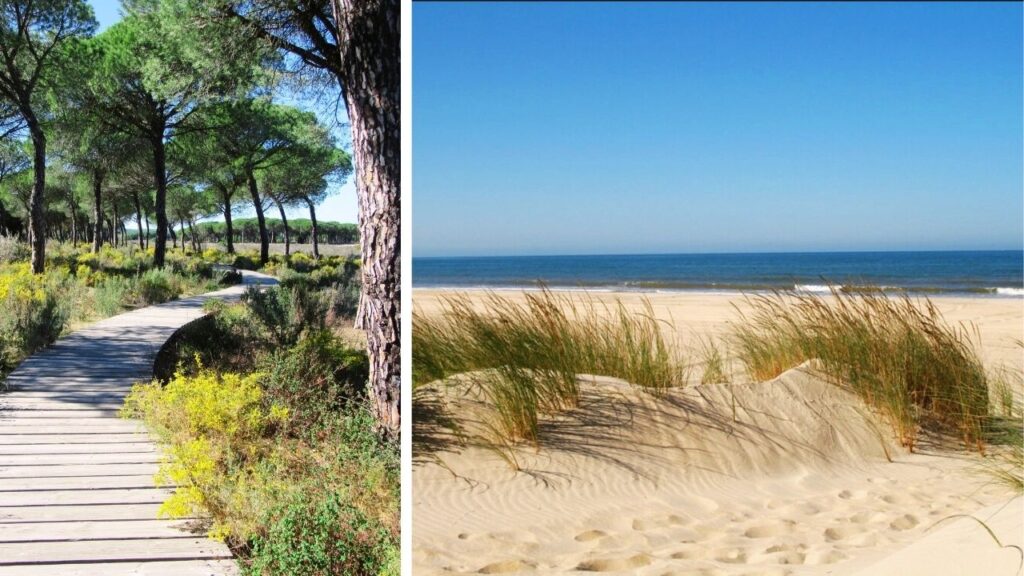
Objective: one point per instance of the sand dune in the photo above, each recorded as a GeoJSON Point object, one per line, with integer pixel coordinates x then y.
{"type": "Point", "coordinates": [790, 476]}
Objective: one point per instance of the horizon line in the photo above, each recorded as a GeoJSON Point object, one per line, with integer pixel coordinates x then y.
{"type": "Point", "coordinates": [721, 253]}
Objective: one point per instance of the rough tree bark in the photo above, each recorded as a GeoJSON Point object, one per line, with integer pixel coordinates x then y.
{"type": "Point", "coordinates": [284, 223]}
{"type": "Point", "coordinates": [313, 231]}
{"type": "Point", "coordinates": [36, 223]}
{"type": "Point", "coordinates": [160, 176]}
{"type": "Point", "coordinates": [370, 77]}
{"type": "Point", "coordinates": [227, 219]}
{"type": "Point", "coordinates": [97, 209]}
{"type": "Point", "coordinates": [258, 205]}
{"type": "Point", "coordinates": [138, 218]}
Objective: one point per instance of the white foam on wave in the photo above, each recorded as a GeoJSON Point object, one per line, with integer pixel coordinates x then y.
{"type": "Point", "coordinates": [1010, 291]}
{"type": "Point", "coordinates": [812, 288]}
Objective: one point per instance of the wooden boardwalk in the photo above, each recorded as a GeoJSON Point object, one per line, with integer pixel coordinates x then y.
{"type": "Point", "coordinates": [76, 481]}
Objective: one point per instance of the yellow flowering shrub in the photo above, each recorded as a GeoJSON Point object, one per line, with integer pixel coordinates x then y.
{"type": "Point", "coordinates": [88, 259]}
{"type": "Point", "coordinates": [19, 283]}
{"type": "Point", "coordinates": [212, 255]}
{"type": "Point", "coordinates": [212, 424]}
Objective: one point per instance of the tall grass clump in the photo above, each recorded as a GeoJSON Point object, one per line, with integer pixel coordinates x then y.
{"type": "Point", "coordinates": [899, 354]}
{"type": "Point", "coordinates": [713, 360]}
{"type": "Point", "coordinates": [533, 351]}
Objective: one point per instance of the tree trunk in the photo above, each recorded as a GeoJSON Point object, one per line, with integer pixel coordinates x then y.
{"type": "Point", "coordinates": [138, 218]}
{"type": "Point", "coordinates": [192, 233]}
{"type": "Point", "coordinates": [227, 220]}
{"type": "Point", "coordinates": [36, 223]}
{"type": "Point", "coordinates": [115, 226]}
{"type": "Point", "coordinates": [74, 220]}
{"type": "Point", "coordinates": [160, 175]}
{"type": "Point", "coordinates": [184, 248]}
{"type": "Point", "coordinates": [312, 218]}
{"type": "Point", "coordinates": [368, 32]}
{"type": "Point", "coordinates": [264, 239]}
{"type": "Point", "coordinates": [284, 222]}
{"type": "Point", "coordinates": [97, 210]}
{"type": "Point", "coordinates": [147, 231]}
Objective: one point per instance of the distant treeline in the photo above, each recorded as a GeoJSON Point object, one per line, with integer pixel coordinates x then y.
{"type": "Point", "coordinates": [248, 230]}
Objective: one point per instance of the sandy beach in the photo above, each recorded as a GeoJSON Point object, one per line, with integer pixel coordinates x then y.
{"type": "Point", "coordinates": [792, 476]}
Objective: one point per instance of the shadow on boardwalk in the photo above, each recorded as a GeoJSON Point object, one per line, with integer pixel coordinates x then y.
{"type": "Point", "coordinates": [76, 482]}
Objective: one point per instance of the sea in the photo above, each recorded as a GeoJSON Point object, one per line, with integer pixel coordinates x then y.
{"type": "Point", "coordinates": [977, 273]}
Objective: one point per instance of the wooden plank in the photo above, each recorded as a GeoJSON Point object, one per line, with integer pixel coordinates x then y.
{"type": "Point", "coordinates": [118, 529]}
{"type": "Point", "coordinates": [68, 459]}
{"type": "Point", "coordinates": [71, 438]}
{"type": "Point", "coordinates": [37, 415]}
{"type": "Point", "coordinates": [145, 568]}
{"type": "Point", "coordinates": [10, 405]}
{"type": "Point", "coordinates": [76, 470]}
{"type": "Point", "coordinates": [110, 426]}
{"type": "Point", "coordinates": [146, 495]}
{"type": "Point", "coordinates": [71, 482]}
{"type": "Point", "coordinates": [78, 513]}
{"type": "Point", "coordinates": [122, 447]}
{"type": "Point", "coordinates": [150, 549]}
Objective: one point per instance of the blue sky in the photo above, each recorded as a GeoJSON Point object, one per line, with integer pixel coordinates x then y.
{"type": "Point", "coordinates": [683, 127]}
{"type": "Point", "coordinates": [340, 206]}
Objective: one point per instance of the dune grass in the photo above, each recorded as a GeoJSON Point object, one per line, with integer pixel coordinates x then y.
{"type": "Point", "coordinates": [530, 353]}
{"type": "Point", "coordinates": [713, 362]}
{"type": "Point", "coordinates": [899, 354]}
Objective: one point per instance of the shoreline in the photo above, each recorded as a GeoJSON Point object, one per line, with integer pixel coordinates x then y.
{"type": "Point", "coordinates": [1000, 292]}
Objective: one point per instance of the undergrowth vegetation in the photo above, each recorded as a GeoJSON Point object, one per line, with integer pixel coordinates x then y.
{"type": "Point", "coordinates": [80, 286]}
{"type": "Point", "coordinates": [528, 354]}
{"type": "Point", "coordinates": [266, 419]}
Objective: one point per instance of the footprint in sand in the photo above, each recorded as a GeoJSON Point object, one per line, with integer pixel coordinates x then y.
{"type": "Point", "coordinates": [614, 564]}
{"type": "Point", "coordinates": [837, 533]}
{"type": "Point", "coordinates": [905, 522]}
{"type": "Point", "coordinates": [865, 516]}
{"type": "Point", "coordinates": [732, 556]}
{"type": "Point", "coordinates": [508, 567]}
{"type": "Point", "coordinates": [656, 522]}
{"type": "Point", "coordinates": [590, 535]}
{"type": "Point", "coordinates": [895, 499]}
{"type": "Point", "coordinates": [770, 530]}
{"type": "Point", "coordinates": [824, 557]}
{"type": "Point", "coordinates": [690, 552]}
{"type": "Point", "coordinates": [522, 537]}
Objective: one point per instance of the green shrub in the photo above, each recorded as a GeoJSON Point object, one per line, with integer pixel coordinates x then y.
{"type": "Point", "coordinates": [12, 249]}
{"type": "Point", "coordinates": [157, 286]}
{"type": "Point", "coordinates": [28, 324]}
{"type": "Point", "coordinates": [245, 262]}
{"type": "Point", "coordinates": [343, 301]}
{"type": "Point", "coordinates": [228, 338]}
{"type": "Point", "coordinates": [315, 378]}
{"type": "Point", "coordinates": [286, 313]}
{"type": "Point", "coordinates": [288, 278]}
{"type": "Point", "coordinates": [312, 537]}
{"type": "Point", "coordinates": [111, 295]}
